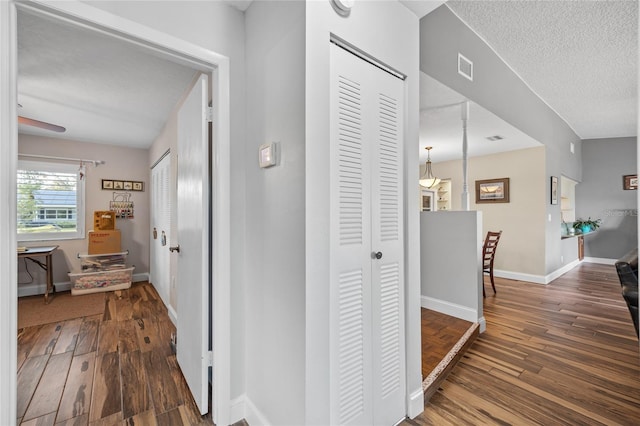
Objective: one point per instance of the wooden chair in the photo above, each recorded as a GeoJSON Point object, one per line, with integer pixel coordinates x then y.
{"type": "Point", "coordinates": [488, 255]}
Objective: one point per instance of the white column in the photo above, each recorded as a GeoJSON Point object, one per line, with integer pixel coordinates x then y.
{"type": "Point", "coordinates": [465, 185]}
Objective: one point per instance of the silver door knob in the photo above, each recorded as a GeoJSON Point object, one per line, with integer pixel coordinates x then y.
{"type": "Point", "coordinates": [377, 255]}
{"type": "Point", "coordinates": [175, 248]}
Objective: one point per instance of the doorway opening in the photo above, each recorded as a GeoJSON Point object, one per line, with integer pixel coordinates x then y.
{"type": "Point", "coordinates": [211, 63]}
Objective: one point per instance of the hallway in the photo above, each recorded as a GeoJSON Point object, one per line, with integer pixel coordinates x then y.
{"type": "Point", "coordinates": [564, 353]}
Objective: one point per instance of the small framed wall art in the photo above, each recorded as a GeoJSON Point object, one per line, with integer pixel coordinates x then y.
{"type": "Point", "coordinates": [122, 185]}
{"type": "Point", "coordinates": [630, 182]}
{"type": "Point", "coordinates": [492, 190]}
{"type": "Point", "coordinates": [554, 189]}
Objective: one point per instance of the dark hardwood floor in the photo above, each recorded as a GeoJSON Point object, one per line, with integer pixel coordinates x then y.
{"type": "Point", "coordinates": [440, 333]}
{"type": "Point", "coordinates": [116, 368]}
{"type": "Point", "coordinates": [564, 353]}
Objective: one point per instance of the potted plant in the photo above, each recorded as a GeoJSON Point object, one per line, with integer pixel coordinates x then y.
{"type": "Point", "coordinates": [587, 225]}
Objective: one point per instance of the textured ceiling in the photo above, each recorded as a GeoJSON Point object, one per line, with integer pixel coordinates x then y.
{"type": "Point", "coordinates": [580, 57]}
{"type": "Point", "coordinates": [100, 89]}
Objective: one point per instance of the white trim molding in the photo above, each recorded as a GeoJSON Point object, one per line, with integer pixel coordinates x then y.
{"type": "Point", "coordinates": [600, 260]}
{"type": "Point", "coordinates": [79, 13]}
{"type": "Point", "coordinates": [537, 279]}
{"type": "Point", "coordinates": [452, 309]}
{"type": "Point", "coordinates": [520, 276]}
{"type": "Point", "coordinates": [8, 190]}
{"type": "Point", "coordinates": [416, 403]}
{"type": "Point", "coordinates": [482, 323]}
{"type": "Point", "coordinates": [252, 415]}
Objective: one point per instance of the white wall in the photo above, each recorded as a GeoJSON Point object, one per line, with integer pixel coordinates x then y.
{"type": "Point", "coordinates": [389, 32]}
{"type": "Point", "coordinates": [120, 163]}
{"type": "Point", "coordinates": [450, 264]}
{"type": "Point", "coordinates": [275, 292]}
{"type": "Point", "coordinates": [523, 244]}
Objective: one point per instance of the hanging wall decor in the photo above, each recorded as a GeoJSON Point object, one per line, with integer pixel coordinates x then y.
{"type": "Point", "coordinates": [122, 185]}
{"type": "Point", "coordinates": [492, 190]}
{"type": "Point", "coordinates": [121, 205]}
{"type": "Point", "coordinates": [630, 182]}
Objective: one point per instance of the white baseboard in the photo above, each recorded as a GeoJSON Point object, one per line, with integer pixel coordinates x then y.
{"type": "Point", "coordinates": [536, 279]}
{"type": "Point", "coordinates": [38, 289]}
{"type": "Point", "coordinates": [242, 408]}
{"type": "Point", "coordinates": [237, 409]}
{"type": "Point", "coordinates": [143, 276]}
{"type": "Point", "coordinates": [173, 315]}
{"type": "Point", "coordinates": [416, 403]}
{"type": "Point", "coordinates": [601, 260]}
{"type": "Point", "coordinates": [482, 324]}
{"type": "Point", "coordinates": [519, 276]}
{"type": "Point", "coordinates": [559, 272]}
{"type": "Point", "coordinates": [451, 309]}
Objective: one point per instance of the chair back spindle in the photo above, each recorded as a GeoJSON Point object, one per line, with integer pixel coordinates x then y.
{"type": "Point", "coordinates": [488, 255]}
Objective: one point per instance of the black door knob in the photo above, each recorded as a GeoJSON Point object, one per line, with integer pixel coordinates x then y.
{"type": "Point", "coordinates": [378, 255]}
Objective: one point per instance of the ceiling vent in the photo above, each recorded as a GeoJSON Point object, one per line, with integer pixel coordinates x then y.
{"type": "Point", "coordinates": [465, 67]}
{"type": "Point", "coordinates": [495, 138]}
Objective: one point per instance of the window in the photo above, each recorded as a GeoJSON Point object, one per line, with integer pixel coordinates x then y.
{"type": "Point", "coordinates": [50, 201]}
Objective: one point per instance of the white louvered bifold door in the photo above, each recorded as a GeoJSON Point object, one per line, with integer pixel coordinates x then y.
{"type": "Point", "coordinates": [367, 293]}
{"type": "Point", "coordinates": [161, 223]}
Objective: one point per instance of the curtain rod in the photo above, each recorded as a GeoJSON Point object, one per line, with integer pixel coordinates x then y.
{"type": "Point", "coordinates": [95, 163]}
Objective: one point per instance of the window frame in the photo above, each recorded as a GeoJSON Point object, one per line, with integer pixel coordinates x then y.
{"type": "Point", "coordinates": [53, 167]}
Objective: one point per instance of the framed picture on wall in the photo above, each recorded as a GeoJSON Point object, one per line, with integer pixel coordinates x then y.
{"type": "Point", "coordinates": [138, 186]}
{"type": "Point", "coordinates": [427, 201]}
{"type": "Point", "coordinates": [492, 190]}
{"type": "Point", "coordinates": [630, 182]}
{"type": "Point", "coordinates": [118, 184]}
{"type": "Point", "coordinates": [107, 184]}
{"type": "Point", "coordinates": [554, 189]}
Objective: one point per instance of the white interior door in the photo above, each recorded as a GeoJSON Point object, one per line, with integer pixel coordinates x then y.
{"type": "Point", "coordinates": [160, 227]}
{"type": "Point", "coordinates": [192, 281]}
{"type": "Point", "coordinates": [366, 244]}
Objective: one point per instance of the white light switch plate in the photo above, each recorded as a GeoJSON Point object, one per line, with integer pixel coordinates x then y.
{"type": "Point", "coordinates": [267, 155]}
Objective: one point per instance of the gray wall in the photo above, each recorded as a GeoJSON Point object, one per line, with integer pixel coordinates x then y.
{"type": "Point", "coordinates": [600, 195]}
{"type": "Point", "coordinates": [275, 310]}
{"type": "Point", "coordinates": [497, 88]}
{"type": "Point", "coordinates": [450, 256]}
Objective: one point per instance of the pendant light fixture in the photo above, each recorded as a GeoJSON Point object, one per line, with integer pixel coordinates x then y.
{"type": "Point", "coordinates": [428, 180]}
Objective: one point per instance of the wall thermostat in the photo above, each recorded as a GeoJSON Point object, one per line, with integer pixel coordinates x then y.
{"type": "Point", "coordinates": [267, 155]}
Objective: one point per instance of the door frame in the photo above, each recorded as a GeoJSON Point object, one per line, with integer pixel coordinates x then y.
{"type": "Point", "coordinates": [212, 63]}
